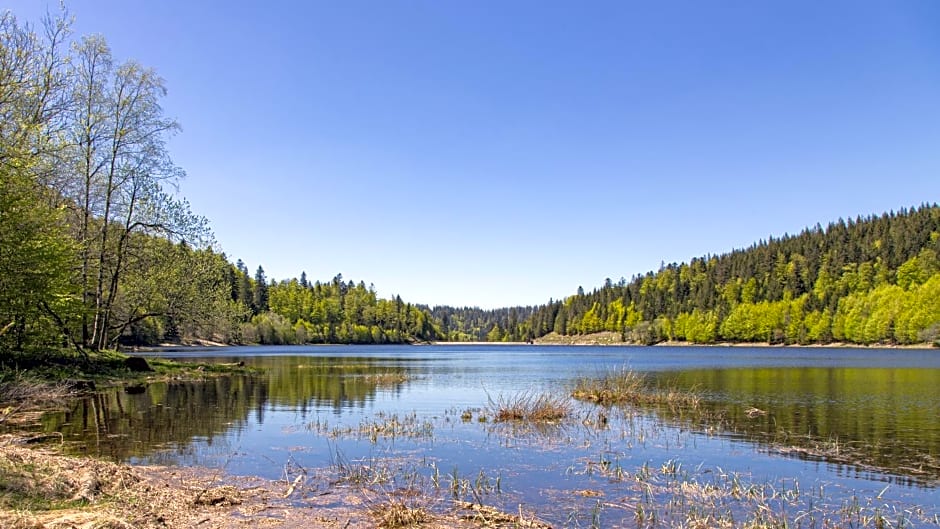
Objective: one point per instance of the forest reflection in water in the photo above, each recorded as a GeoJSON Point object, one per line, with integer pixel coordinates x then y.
{"type": "Point", "coordinates": [123, 423]}
{"type": "Point", "coordinates": [879, 419]}
{"type": "Point", "coordinates": [872, 418]}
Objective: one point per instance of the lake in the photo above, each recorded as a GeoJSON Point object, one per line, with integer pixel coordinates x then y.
{"type": "Point", "coordinates": [809, 434]}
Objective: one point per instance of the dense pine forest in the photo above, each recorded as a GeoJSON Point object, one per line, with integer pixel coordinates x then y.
{"type": "Point", "coordinates": [97, 251]}
{"type": "Point", "coordinates": [866, 280]}
{"type": "Point", "coordinates": [871, 280]}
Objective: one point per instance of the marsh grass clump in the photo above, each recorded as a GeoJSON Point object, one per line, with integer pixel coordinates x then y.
{"type": "Point", "coordinates": [363, 473]}
{"type": "Point", "coordinates": [629, 387]}
{"type": "Point", "coordinates": [529, 407]}
{"type": "Point", "coordinates": [18, 388]}
{"type": "Point", "coordinates": [383, 426]}
{"type": "Point", "coordinates": [400, 513]}
{"type": "Point", "coordinates": [392, 426]}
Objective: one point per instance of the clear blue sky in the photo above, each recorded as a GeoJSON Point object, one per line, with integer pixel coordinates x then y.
{"type": "Point", "coordinates": [497, 153]}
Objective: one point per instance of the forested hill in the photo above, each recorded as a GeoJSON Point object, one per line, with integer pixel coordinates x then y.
{"type": "Point", "coordinates": [868, 280]}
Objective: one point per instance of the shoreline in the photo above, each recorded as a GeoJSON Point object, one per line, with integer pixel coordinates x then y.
{"type": "Point", "coordinates": [831, 345]}
{"type": "Point", "coordinates": [598, 340]}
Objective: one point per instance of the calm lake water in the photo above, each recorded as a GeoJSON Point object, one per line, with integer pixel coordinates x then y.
{"type": "Point", "coordinates": [852, 425]}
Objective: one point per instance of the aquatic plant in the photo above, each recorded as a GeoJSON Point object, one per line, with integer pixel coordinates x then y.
{"type": "Point", "coordinates": [626, 386]}
{"type": "Point", "coordinates": [529, 407]}
{"type": "Point", "coordinates": [383, 426]}
{"type": "Point", "coordinates": [363, 473]}
{"type": "Point", "coordinates": [399, 513]}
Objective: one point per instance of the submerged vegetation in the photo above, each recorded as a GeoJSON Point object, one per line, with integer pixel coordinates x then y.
{"type": "Point", "coordinates": [31, 385]}
{"type": "Point", "coordinates": [689, 409]}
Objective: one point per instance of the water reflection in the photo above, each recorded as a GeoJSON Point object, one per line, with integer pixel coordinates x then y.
{"type": "Point", "coordinates": [123, 424]}
{"type": "Point", "coordinates": [870, 418]}
{"type": "Point", "coordinates": [884, 418]}
{"type": "Point", "coordinates": [305, 382]}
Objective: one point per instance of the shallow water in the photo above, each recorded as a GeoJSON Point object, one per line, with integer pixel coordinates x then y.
{"type": "Point", "coordinates": [873, 412]}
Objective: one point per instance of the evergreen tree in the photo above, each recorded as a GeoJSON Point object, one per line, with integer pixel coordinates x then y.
{"type": "Point", "coordinates": [260, 292]}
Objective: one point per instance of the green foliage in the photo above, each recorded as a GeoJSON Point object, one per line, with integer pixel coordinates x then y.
{"type": "Point", "coordinates": [36, 257]}
{"type": "Point", "coordinates": [697, 326]}
{"type": "Point", "coordinates": [94, 251]}
{"type": "Point", "coordinates": [865, 280]}
{"type": "Point", "coordinates": [918, 270]}
{"type": "Point", "coordinates": [890, 314]}
{"type": "Point", "coordinates": [335, 312]}
{"type": "Point", "coordinates": [495, 334]}
{"type": "Point", "coordinates": [515, 324]}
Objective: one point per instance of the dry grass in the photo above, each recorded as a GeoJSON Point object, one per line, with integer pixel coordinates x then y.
{"type": "Point", "coordinates": [629, 387]}
{"type": "Point", "coordinates": [40, 489]}
{"type": "Point", "coordinates": [486, 516]}
{"type": "Point", "coordinates": [529, 407]}
{"type": "Point", "coordinates": [34, 480]}
{"type": "Point", "coordinates": [399, 513]}
{"type": "Point", "coordinates": [19, 393]}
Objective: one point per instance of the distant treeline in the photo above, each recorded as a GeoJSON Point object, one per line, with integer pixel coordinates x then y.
{"type": "Point", "coordinates": [297, 312]}
{"type": "Point", "coordinates": [866, 280]}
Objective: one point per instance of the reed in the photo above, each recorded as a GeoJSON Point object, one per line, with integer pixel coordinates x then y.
{"type": "Point", "coordinates": [529, 407]}
{"type": "Point", "coordinates": [400, 513]}
{"type": "Point", "coordinates": [631, 388]}
{"type": "Point", "coordinates": [364, 473]}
